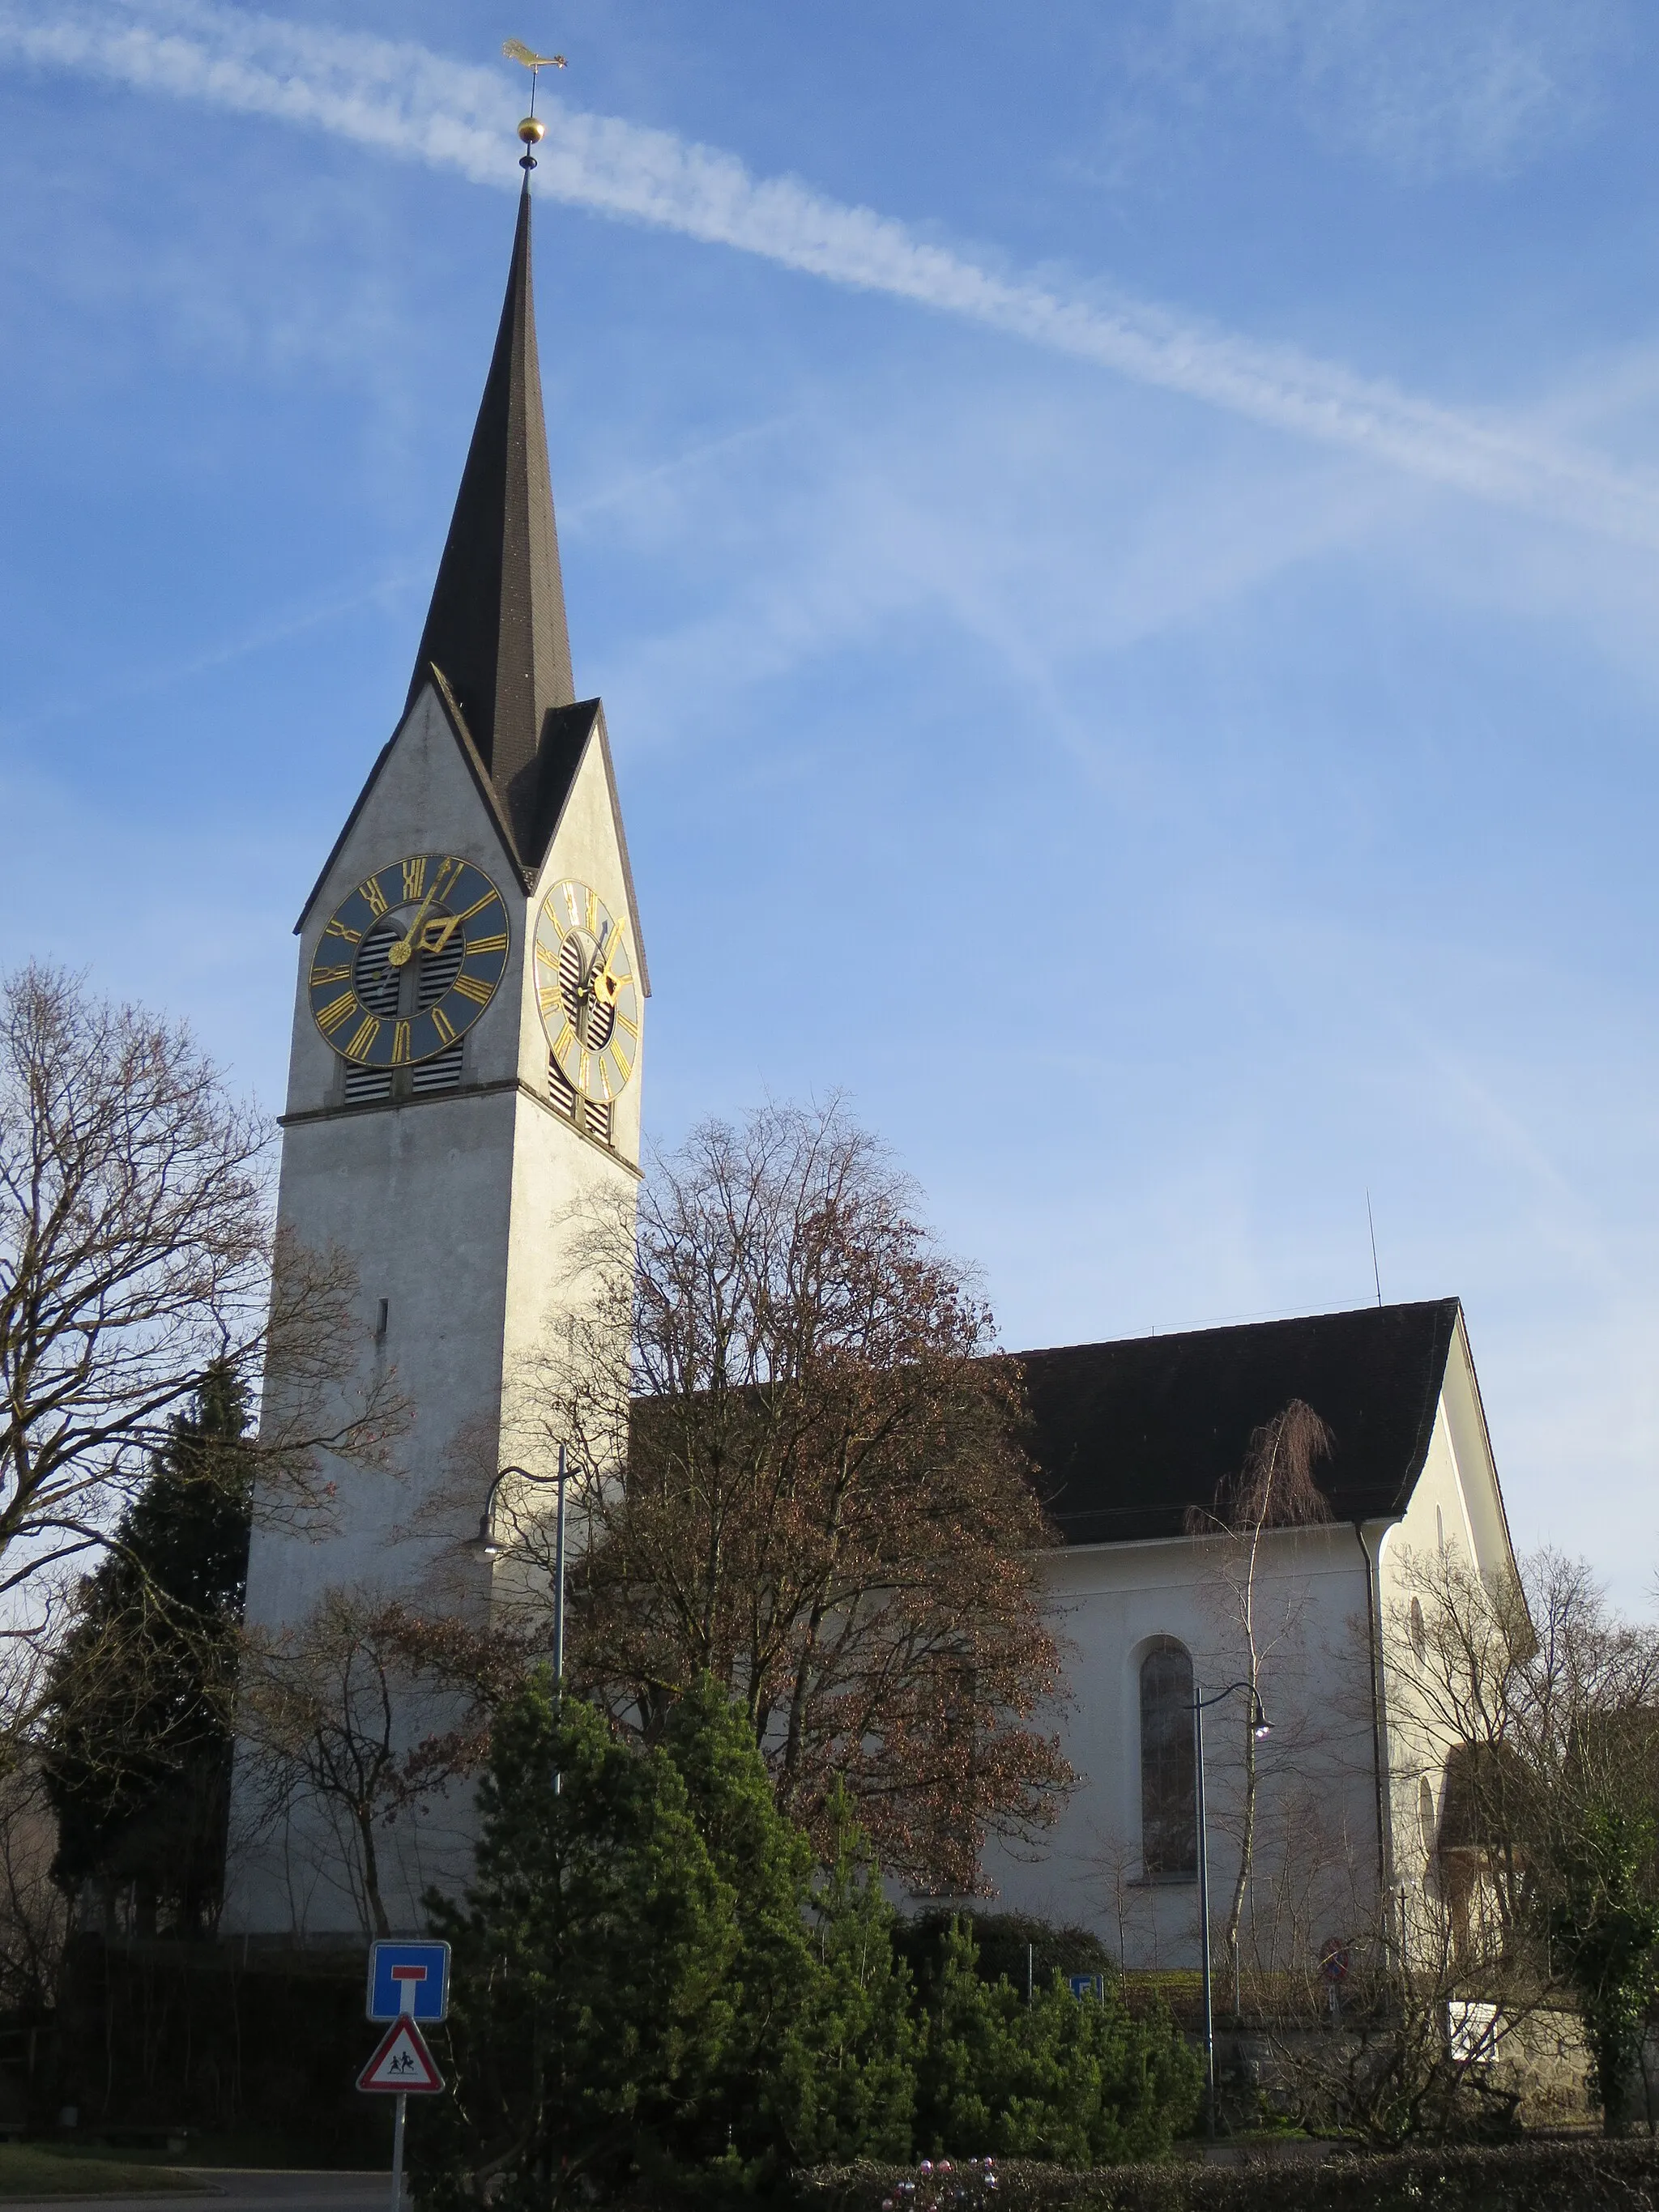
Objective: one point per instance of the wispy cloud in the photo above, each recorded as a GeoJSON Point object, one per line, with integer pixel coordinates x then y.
{"type": "Point", "coordinates": [403, 100]}
{"type": "Point", "coordinates": [1420, 87]}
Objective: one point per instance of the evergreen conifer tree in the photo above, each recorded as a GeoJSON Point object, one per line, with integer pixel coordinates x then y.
{"type": "Point", "coordinates": [1078, 2082]}
{"type": "Point", "coordinates": [137, 1731]}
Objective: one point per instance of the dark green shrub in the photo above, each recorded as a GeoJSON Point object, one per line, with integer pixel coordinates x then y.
{"type": "Point", "coordinates": [1079, 2082]}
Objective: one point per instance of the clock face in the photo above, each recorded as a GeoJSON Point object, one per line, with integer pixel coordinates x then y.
{"type": "Point", "coordinates": [587, 991]}
{"type": "Point", "coordinates": [410, 961]}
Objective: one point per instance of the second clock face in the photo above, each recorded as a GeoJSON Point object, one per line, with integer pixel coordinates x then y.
{"type": "Point", "coordinates": [408, 963]}
{"type": "Point", "coordinates": [587, 991]}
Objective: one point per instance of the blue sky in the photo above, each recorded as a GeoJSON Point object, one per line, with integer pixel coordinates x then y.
{"type": "Point", "coordinates": [1121, 548]}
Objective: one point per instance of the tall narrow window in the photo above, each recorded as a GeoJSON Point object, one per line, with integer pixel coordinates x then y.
{"type": "Point", "coordinates": [1169, 1795]}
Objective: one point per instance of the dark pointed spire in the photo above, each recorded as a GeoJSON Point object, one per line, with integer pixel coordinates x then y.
{"type": "Point", "coordinates": [496, 629]}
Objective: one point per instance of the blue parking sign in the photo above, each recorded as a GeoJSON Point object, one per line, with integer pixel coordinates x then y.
{"type": "Point", "coordinates": [407, 1981]}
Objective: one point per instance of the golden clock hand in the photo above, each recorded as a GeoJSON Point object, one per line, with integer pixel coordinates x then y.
{"type": "Point", "coordinates": [437, 933]}
{"type": "Point", "coordinates": [404, 951]}
{"type": "Point", "coordinates": [607, 985]}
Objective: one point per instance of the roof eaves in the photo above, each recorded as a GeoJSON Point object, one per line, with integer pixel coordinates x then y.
{"type": "Point", "coordinates": [1434, 1383]}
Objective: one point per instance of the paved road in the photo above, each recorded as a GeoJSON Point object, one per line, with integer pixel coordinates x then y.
{"type": "Point", "coordinates": [235, 2189]}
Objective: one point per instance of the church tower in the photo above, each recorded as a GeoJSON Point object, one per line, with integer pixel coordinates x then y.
{"type": "Point", "coordinates": [464, 1078]}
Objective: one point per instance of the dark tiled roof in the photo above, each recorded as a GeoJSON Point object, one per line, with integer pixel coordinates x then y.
{"type": "Point", "coordinates": [1129, 1436]}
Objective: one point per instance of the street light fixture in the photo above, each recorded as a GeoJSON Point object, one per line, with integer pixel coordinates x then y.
{"type": "Point", "coordinates": [488, 1545]}
{"type": "Point", "coordinates": [1260, 1728]}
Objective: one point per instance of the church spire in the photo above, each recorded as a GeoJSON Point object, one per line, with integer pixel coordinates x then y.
{"type": "Point", "coordinates": [496, 630]}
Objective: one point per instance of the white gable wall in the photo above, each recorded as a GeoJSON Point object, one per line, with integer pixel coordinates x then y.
{"type": "Point", "coordinates": [1457, 1510]}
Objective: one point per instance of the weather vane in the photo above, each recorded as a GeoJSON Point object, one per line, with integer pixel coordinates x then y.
{"type": "Point", "coordinates": [532, 130]}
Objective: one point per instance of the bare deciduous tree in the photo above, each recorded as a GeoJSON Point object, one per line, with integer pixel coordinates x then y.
{"type": "Point", "coordinates": [1537, 1709]}
{"type": "Point", "coordinates": [820, 1497]}
{"type": "Point", "coordinates": [135, 1250]}
{"type": "Point", "coordinates": [1274, 1492]}
{"type": "Point", "coordinates": [331, 1714]}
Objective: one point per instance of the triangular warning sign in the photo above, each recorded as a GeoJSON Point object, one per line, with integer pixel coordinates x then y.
{"type": "Point", "coordinates": [403, 2065]}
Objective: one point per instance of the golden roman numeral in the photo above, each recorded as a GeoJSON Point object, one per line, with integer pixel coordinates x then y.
{"type": "Point", "coordinates": [329, 1017]}
{"type": "Point", "coordinates": [415, 876]}
{"type": "Point", "coordinates": [439, 1022]}
{"type": "Point", "coordinates": [329, 975]}
{"type": "Point", "coordinates": [548, 998]}
{"type": "Point", "coordinates": [362, 1043]}
{"type": "Point", "coordinates": [399, 1043]}
{"type": "Point", "coordinates": [632, 1028]}
{"type": "Point", "coordinates": [338, 928]}
{"type": "Point", "coordinates": [478, 906]}
{"type": "Point", "coordinates": [471, 988]}
{"type": "Point", "coordinates": [590, 915]}
{"type": "Point", "coordinates": [488, 943]}
{"type": "Point", "coordinates": [563, 1042]}
{"type": "Point", "coordinates": [371, 890]}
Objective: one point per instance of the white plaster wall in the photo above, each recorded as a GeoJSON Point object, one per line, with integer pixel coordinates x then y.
{"type": "Point", "coordinates": [1455, 1511]}
{"type": "Point", "coordinates": [461, 1211]}
{"type": "Point", "coordinates": [1109, 1603]}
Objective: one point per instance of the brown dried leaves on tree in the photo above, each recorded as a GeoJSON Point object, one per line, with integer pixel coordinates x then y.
{"type": "Point", "coordinates": [822, 1498]}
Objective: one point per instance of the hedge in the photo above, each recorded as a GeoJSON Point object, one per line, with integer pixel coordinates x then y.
{"type": "Point", "coordinates": [1584, 2176]}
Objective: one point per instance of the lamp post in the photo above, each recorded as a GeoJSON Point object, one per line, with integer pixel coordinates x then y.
{"type": "Point", "coordinates": [486, 1546]}
{"type": "Point", "coordinates": [1259, 1725]}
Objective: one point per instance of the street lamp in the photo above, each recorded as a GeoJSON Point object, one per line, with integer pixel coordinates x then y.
{"type": "Point", "coordinates": [1260, 1725]}
{"type": "Point", "coordinates": [488, 1545]}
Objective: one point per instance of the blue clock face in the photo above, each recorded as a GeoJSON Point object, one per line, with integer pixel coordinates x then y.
{"type": "Point", "coordinates": [410, 961]}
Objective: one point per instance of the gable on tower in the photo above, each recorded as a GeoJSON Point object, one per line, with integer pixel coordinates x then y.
{"type": "Point", "coordinates": [495, 652]}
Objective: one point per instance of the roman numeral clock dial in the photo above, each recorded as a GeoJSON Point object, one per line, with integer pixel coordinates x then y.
{"type": "Point", "coordinates": [407, 963]}
{"type": "Point", "coordinates": [587, 991]}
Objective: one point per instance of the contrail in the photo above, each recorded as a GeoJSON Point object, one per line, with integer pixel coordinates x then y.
{"type": "Point", "coordinates": [403, 100]}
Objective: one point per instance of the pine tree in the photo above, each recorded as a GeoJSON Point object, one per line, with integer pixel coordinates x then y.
{"type": "Point", "coordinates": [651, 1979]}
{"type": "Point", "coordinates": [592, 2013]}
{"type": "Point", "coordinates": [1080, 2082]}
{"type": "Point", "coordinates": [136, 1733]}
{"type": "Point", "coordinates": [819, 2066]}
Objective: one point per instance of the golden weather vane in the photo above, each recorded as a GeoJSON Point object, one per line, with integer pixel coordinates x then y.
{"type": "Point", "coordinates": [532, 130]}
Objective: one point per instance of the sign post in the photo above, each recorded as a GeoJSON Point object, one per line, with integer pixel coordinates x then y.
{"type": "Point", "coordinates": [407, 1983]}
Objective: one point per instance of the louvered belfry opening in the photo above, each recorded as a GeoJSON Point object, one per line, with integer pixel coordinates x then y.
{"type": "Point", "coordinates": [388, 991]}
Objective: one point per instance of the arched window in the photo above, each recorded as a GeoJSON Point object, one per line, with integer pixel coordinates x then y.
{"type": "Point", "coordinates": [1169, 1796]}
{"type": "Point", "coordinates": [1420, 1633]}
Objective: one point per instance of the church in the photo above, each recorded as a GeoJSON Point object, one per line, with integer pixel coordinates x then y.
{"type": "Point", "coordinates": [465, 1075]}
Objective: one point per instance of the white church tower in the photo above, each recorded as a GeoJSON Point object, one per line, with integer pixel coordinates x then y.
{"type": "Point", "coordinates": [464, 1076]}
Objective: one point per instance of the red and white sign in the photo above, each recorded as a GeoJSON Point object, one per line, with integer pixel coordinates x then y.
{"type": "Point", "coordinates": [403, 2065]}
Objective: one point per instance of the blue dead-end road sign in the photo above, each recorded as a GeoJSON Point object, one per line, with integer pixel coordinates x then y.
{"type": "Point", "coordinates": [407, 1981]}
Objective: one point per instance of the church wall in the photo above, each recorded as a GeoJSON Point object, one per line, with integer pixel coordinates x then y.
{"type": "Point", "coordinates": [1110, 1603]}
{"type": "Point", "coordinates": [1455, 1513]}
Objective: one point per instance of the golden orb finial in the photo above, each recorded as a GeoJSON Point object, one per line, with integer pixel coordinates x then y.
{"type": "Point", "coordinates": [531, 130]}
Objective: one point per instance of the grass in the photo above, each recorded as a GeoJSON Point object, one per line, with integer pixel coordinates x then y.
{"type": "Point", "coordinates": [42, 2170]}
